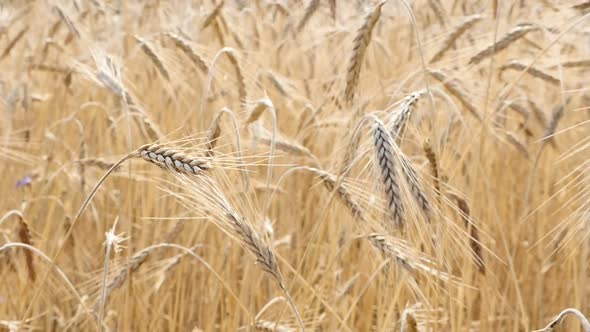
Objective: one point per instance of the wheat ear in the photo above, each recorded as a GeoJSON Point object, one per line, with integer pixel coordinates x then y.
{"type": "Point", "coordinates": [475, 244]}
{"type": "Point", "coordinates": [360, 44]}
{"type": "Point", "coordinates": [311, 8]}
{"type": "Point", "coordinates": [262, 253]}
{"type": "Point", "coordinates": [511, 37]}
{"type": "Point", "coordinates": [189, 51]}
{"type": "Point", "coordinates": [409, 323]}
{"type": "Point", "coordinates": [13, 42]}
{"type": "Point", "coordinates": [405, 111]}
{"type": "Point", "coordinates": [330, 182]}
{"type": "Point", "coordinates": [454, 35]}
{"type": "Point", "coordinates": [148, 49]}
{"type": "Point", "coordinates": [531, 71]}
{"type": "Point", "coordinates": [452, 86]}
{"type": "Point", "coordinates": [415, 187]}
{"type": "Point", "coordinates": [24, 235]}
{"type": "Point", "coordinates": [384, 144]}
{"type": "Point", "coordinates": [576, 63]}
{"type": "Point", "coordinates": [211, 17]}
{"type": "Point", "coordinates": [431, 156]}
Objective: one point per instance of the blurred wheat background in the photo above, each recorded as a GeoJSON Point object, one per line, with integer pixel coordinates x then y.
{"type": "Point", "coordinates": [323, 165]}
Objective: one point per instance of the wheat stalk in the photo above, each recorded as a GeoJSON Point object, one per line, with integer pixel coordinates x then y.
{"type": "Point", "coordinates": [232, 57]}
{"type": "Point", "coordinates": [360, 44]}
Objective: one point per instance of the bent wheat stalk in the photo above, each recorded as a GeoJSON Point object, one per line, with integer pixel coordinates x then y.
{"type": "Point", "coordinates": [169, 159]}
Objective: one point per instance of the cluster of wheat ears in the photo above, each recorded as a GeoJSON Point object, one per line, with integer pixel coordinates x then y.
{"type": "Point", "coordinates": [403, 165]}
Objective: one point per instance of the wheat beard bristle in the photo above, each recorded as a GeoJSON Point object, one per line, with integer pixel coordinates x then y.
{"type": "Point", "coordinates": [384, 152]}
{"type": "Point", "coordinates": [173, 160]}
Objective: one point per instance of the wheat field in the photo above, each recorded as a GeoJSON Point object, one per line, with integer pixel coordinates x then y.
{"type": "Point", "coordinates": [275, 165]}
